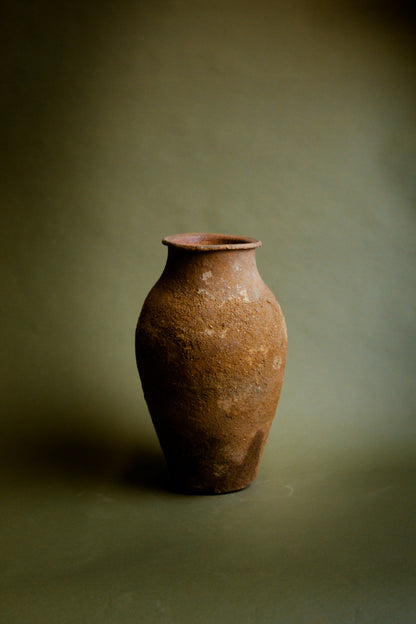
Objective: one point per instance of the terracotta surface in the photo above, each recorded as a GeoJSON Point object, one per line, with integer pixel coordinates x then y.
{"type": "Point", "coordinates": [211, 349]}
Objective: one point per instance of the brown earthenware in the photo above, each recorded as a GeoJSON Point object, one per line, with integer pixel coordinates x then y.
{"type": "Point", "coordinates": [211, 350]}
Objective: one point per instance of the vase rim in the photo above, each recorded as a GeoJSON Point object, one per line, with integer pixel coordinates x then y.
{"type": "Point", "coordinates": [204, 241]}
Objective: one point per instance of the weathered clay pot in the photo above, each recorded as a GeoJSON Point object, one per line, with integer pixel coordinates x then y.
{"type": "Point", "coordinates": [211, 350]}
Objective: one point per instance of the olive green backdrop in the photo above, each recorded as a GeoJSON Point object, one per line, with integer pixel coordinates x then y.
{"type": "Point", "coordinates": [290, 122]}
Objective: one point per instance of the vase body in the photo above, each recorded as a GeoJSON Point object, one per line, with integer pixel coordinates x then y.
{"type": "Point", "coordinates": [211, 350]}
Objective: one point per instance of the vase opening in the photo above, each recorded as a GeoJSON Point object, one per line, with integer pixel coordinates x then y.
{"type": "Point", "coordinates": [210, 242]}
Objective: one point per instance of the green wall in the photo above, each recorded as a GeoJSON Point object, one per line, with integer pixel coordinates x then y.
{"type": "Point", "coordinates": [294, 124]}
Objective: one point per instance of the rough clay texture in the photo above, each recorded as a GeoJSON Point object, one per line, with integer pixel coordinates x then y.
{"type": "Point", "coordinates": [211, 350]}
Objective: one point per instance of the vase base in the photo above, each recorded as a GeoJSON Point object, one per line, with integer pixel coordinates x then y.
{"type": "Point", "coordinates": [206, 492]}
{"type": "Point", "coordinates": [207, 489]}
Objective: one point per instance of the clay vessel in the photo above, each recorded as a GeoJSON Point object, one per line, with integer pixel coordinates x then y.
{"type": "Point", "coordinates": [211, 350]}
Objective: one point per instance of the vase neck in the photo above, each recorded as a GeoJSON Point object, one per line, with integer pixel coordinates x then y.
{"type": "Point", "coordinates": [212, 269]}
